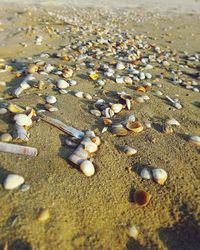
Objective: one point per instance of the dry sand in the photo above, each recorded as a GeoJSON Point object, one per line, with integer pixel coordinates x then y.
{"type": "Point", "coordinates": [95, 213]}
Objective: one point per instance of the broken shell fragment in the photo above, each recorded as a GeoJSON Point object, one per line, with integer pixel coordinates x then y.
{"type": "Point", "coordinates": [93, 76]}
{"type": "Point", "coordinates": [32, 68]}
{"type": "Point", "coordinates": [173, 122]}
{"type": "Point", "coordinates": [141, 197]}
{"type": "Point", "coordinates": [195, 140]}
{"type": "Point", "coordinates": [159, 175]}
{"type": "Point", "coordinates": [43, 215]}
{"type": "Point", "coordinates": [136, 126]}
{"type": "Point", "coordinates": [87, 168]}
{"type": "Point", "coordinates": [23, 120]}
{"type": "Point", "coordinates": [145, 174]}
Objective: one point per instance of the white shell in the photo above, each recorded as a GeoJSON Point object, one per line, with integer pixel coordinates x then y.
{"type": "Point", "coordinates": [195, 140]}
{"type": "Point", "coordinates": [173, 122]}
{"type": "Point", "coordinates": [51, 99]}
{"type": "Point", "coordinates": [120, 66]}
{"type": "Point", "coordinates": [116, 108]}
{"type": "Point", "coordinates": [13, 181]}
{"type": "Point", "coordinates": [18, 91]}
{"type": "Point", "coordinates": [95, 112]}
{"type": "Point", "coordinates": [145, 174]}
{"type": "Point", "coordinates": [79, 94]}
{"type": "Point", "coordinates": [108, 112]}
{"type": "Point", "coordinates": [72, 82]}
{"type": "Point", "coordinates": [129, 150]}
{"type": "Point", "coordinates": [25, 85]}
{"type": "Point", "coordinates": [87, 168]}
{"type": "Point", "coordinates": [90, 147]}
{"type": "Point", "coordinates": [5, 137]}
{"type": "Point", "coordinates": [119, 79]}
{"type": "Point", "coordinates": [77, 160]}
{"type": "Point", "coordinates": [17, 149]}
{"type": "Point", "coordinates": [133, 232]}
{"type": "Point", "coordinates": [177, 105]}
{"type": "Point", "coordinates": [159, 175]}
{"type": "Point", "coordinates": [23, 120]}
{"type": "Point", "coordinates": [81, 152]}
{"type": "Point", "coordinates": [62, 84]}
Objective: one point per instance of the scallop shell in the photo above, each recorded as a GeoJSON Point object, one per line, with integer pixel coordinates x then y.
{"type": "Point", "coordinates": [141, 197]}
{"type": "Point", "coordinates": [87, 168]}
{"type": "Point", "coordinates": [136, 126]}
{"type": "Point", "coordinates": [23, 120]}
{"type": "Point", "coordinates": [159, 175]}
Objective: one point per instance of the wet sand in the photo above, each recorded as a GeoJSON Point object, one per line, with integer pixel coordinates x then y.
{"type": "Point", "coordinates": [96, 212]}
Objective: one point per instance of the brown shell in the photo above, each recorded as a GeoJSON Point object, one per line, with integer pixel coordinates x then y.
{"type": "Point", "coordinates": [141, 89]}
{"type": "Point", "coordinates": [119, 131]}
{"type": "Point", "coordinates": [107, 121]}
{"type": "Point", "coordinates": [136, 126]}
{"type": "Point", "coordinates": [141, 197]}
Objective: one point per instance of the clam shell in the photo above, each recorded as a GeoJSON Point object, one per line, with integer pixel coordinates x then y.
{"type": "Point", "coordinates": [81, 152]}
{"type": "Point", "coordinates": [159, 175]}
{"type": "Point", "coordinates": [195, 140]}
{"type": "Point", "coordinates": [90, 147]}
{"type": "Point", "coordinates": [136, 126]}
{"type": "Point", "coordinates": [129, 151]}
{"type": "Point", "coordinates": [116, 108]}
{"type": "Point", "coordinates": [13, 108]}
{"type": "Point", "coordinates": [23, 120]}
{"type": "Point", "coordinates": [96, 140]}
{"type": "Point", "coordinates": [51, 99]}
{"type": "Point", "coordinates": [87, 168]}
{"type": "Point", "coordinates": [95, 112]}
{"type": "Point", "coordinates": [62, 84]}
{"type": "Point", "coordinates": [141, 197]}
{"type": "Point", "coordinates": [119, 131]}
{"type": "Point", "coordinates": [145, 174]}
{"type": "Point", "coordinates": [173, 122]}
{"type": "Point", "coordinates": [6, 137]}
{"type": "Point", "coordinates": [77, 160]}
{"type": "Point", "coordinates": [108, 112]}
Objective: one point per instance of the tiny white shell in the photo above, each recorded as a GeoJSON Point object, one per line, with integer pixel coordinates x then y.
{"type": "Point", "coordinates": [129, 151]}
{"type": "Point", "coordinates": [195, 140]}
{"type": "Point", "coordinates": [159, 175]}
{"type": "Point", "coordinates": [87, 168]}
{"type": "Point", "coordinates": [119, 79]}
{"type": "Point", "coordinates": [116, 108]}
{"type": "Point", "coordinates": [120, 66]}
{"type": "Point", "coordinates": [145, 174]}
{"type": "Point", "coordinates": [79, 94]}
{"type": "Point", "coordinates": [133, 232]}
{"type": "Point", "coordinates": [13, 181]}
{"type": "Point", "coordinates": [23, 120]}
{"type": "Point", "coordinates": [62, 84]}
{"type": "Point", "coordinates": [173, 122]}
{"type": "Point", "coordinates": [51, 99]}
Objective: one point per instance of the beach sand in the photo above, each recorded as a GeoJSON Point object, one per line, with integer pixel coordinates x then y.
{"type": "Point", "coordinates": [96, 212]}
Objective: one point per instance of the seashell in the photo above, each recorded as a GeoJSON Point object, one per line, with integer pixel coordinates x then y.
{"type": "Point", "coordinates": [87, 96]}
{"type": "Point", "coordinates": [81, 152]}
{"type": "Point", "coordinates": [140, 99]}
{"type": "Point", "coordinates": [24, 85]}
{"type": "Point", "coordinates": [116, 108]}
{"type": "Point", "coordinates": [72, 82]}
{"type": "Point", "coordinates": [108, 112]}
{"type": "Point", "coordinates": [158, 93]}
{"type": "Point", "coordinates": [119, 79]}
{"type": "Point", "coordinates": [136, 126]}
{"type": "Point", "coordinates": [87, 168]}
{"type": "Point", "coordinates": [90, 147]}
{"type": "Point", "coordinates": [51, 99]}
{"type": "Point", "coordinates": [148, 124]}
{"type": "Point", "coordinates": [18, 91]}
{"type": "Point", "coordinates": [96, 140]}
{"type": "Point", "coordinates": [20, 133]}
{"type": "Point", "coordinates": [32, 68]}
{"type": "Point", "coordinates": [129, 151]}
{"type": "Point", "coordinates": [148, 75]}
{"type": "Point", "coordinates": [6, 137]}
{"type": "Point", "coordinates": [120, 66]}
{"type": "Point", "coordinates": [43, 215]}
{"type": "Point", "coordinates": [62, 84]}
{"type": "Point", "coordinates": [23, 120]}
{"type": "Point", "coordinates": [133, 232]}
{"type": "Point", "coordinates": [159, 175]}
{"type": "Point", "coordinates": [77, 160]}
{"type": "Point", "coordinates": [145, 174]}
{"type": "Point", "coordinates": [141, 89]}
{"type": "Point", "coordinates": [62, 126]}
{"type": "Point", "coordinates": [195, 140]}
{"type": "Point", "coordinates": [13, 181]}
{"type": "Point", "coordinates": [16, 149]}
{"type": "Point", "coordinates": [53, 109]}
{"type": "Point", "coordinates": [141, 197]}
{"type": "Point", "coordinates": [95, 112]}
{"type": "Point", "coordinates": [79, 94]}
{"type": "Point", "coordinates": [107, 121]}
{"type": "Point", "coordinates": [67, 73]}
{"type": "Point", "coordinates": [41, 85]}
{"type": "Point", "coordinates": [93, 76]}
{"type": "Point", "coordinates": [128, 80]}
{"type": "Point", "coordinates": [13, 108]}
{"type": "Point", "coordinates": [142, 76]}
{"type": "Point", "coordinates": [166, 63]}
{"type": "Point", "coordinates": [119, 131]}
{"type": "Point", "coordinates": [104, 130]}
{"type": "Point", "coordinates": [145, 97]}
{"type": "Point", "coordinates": [100, 82]}
{"type": "Point", "coordinates": [129, 118]}
{"type": "Point", "coordinates": [89, 133]}
{"type": "Point", "coordinates": [3, 111]}
{"type": "Point", "coordinates": [177, 105]}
